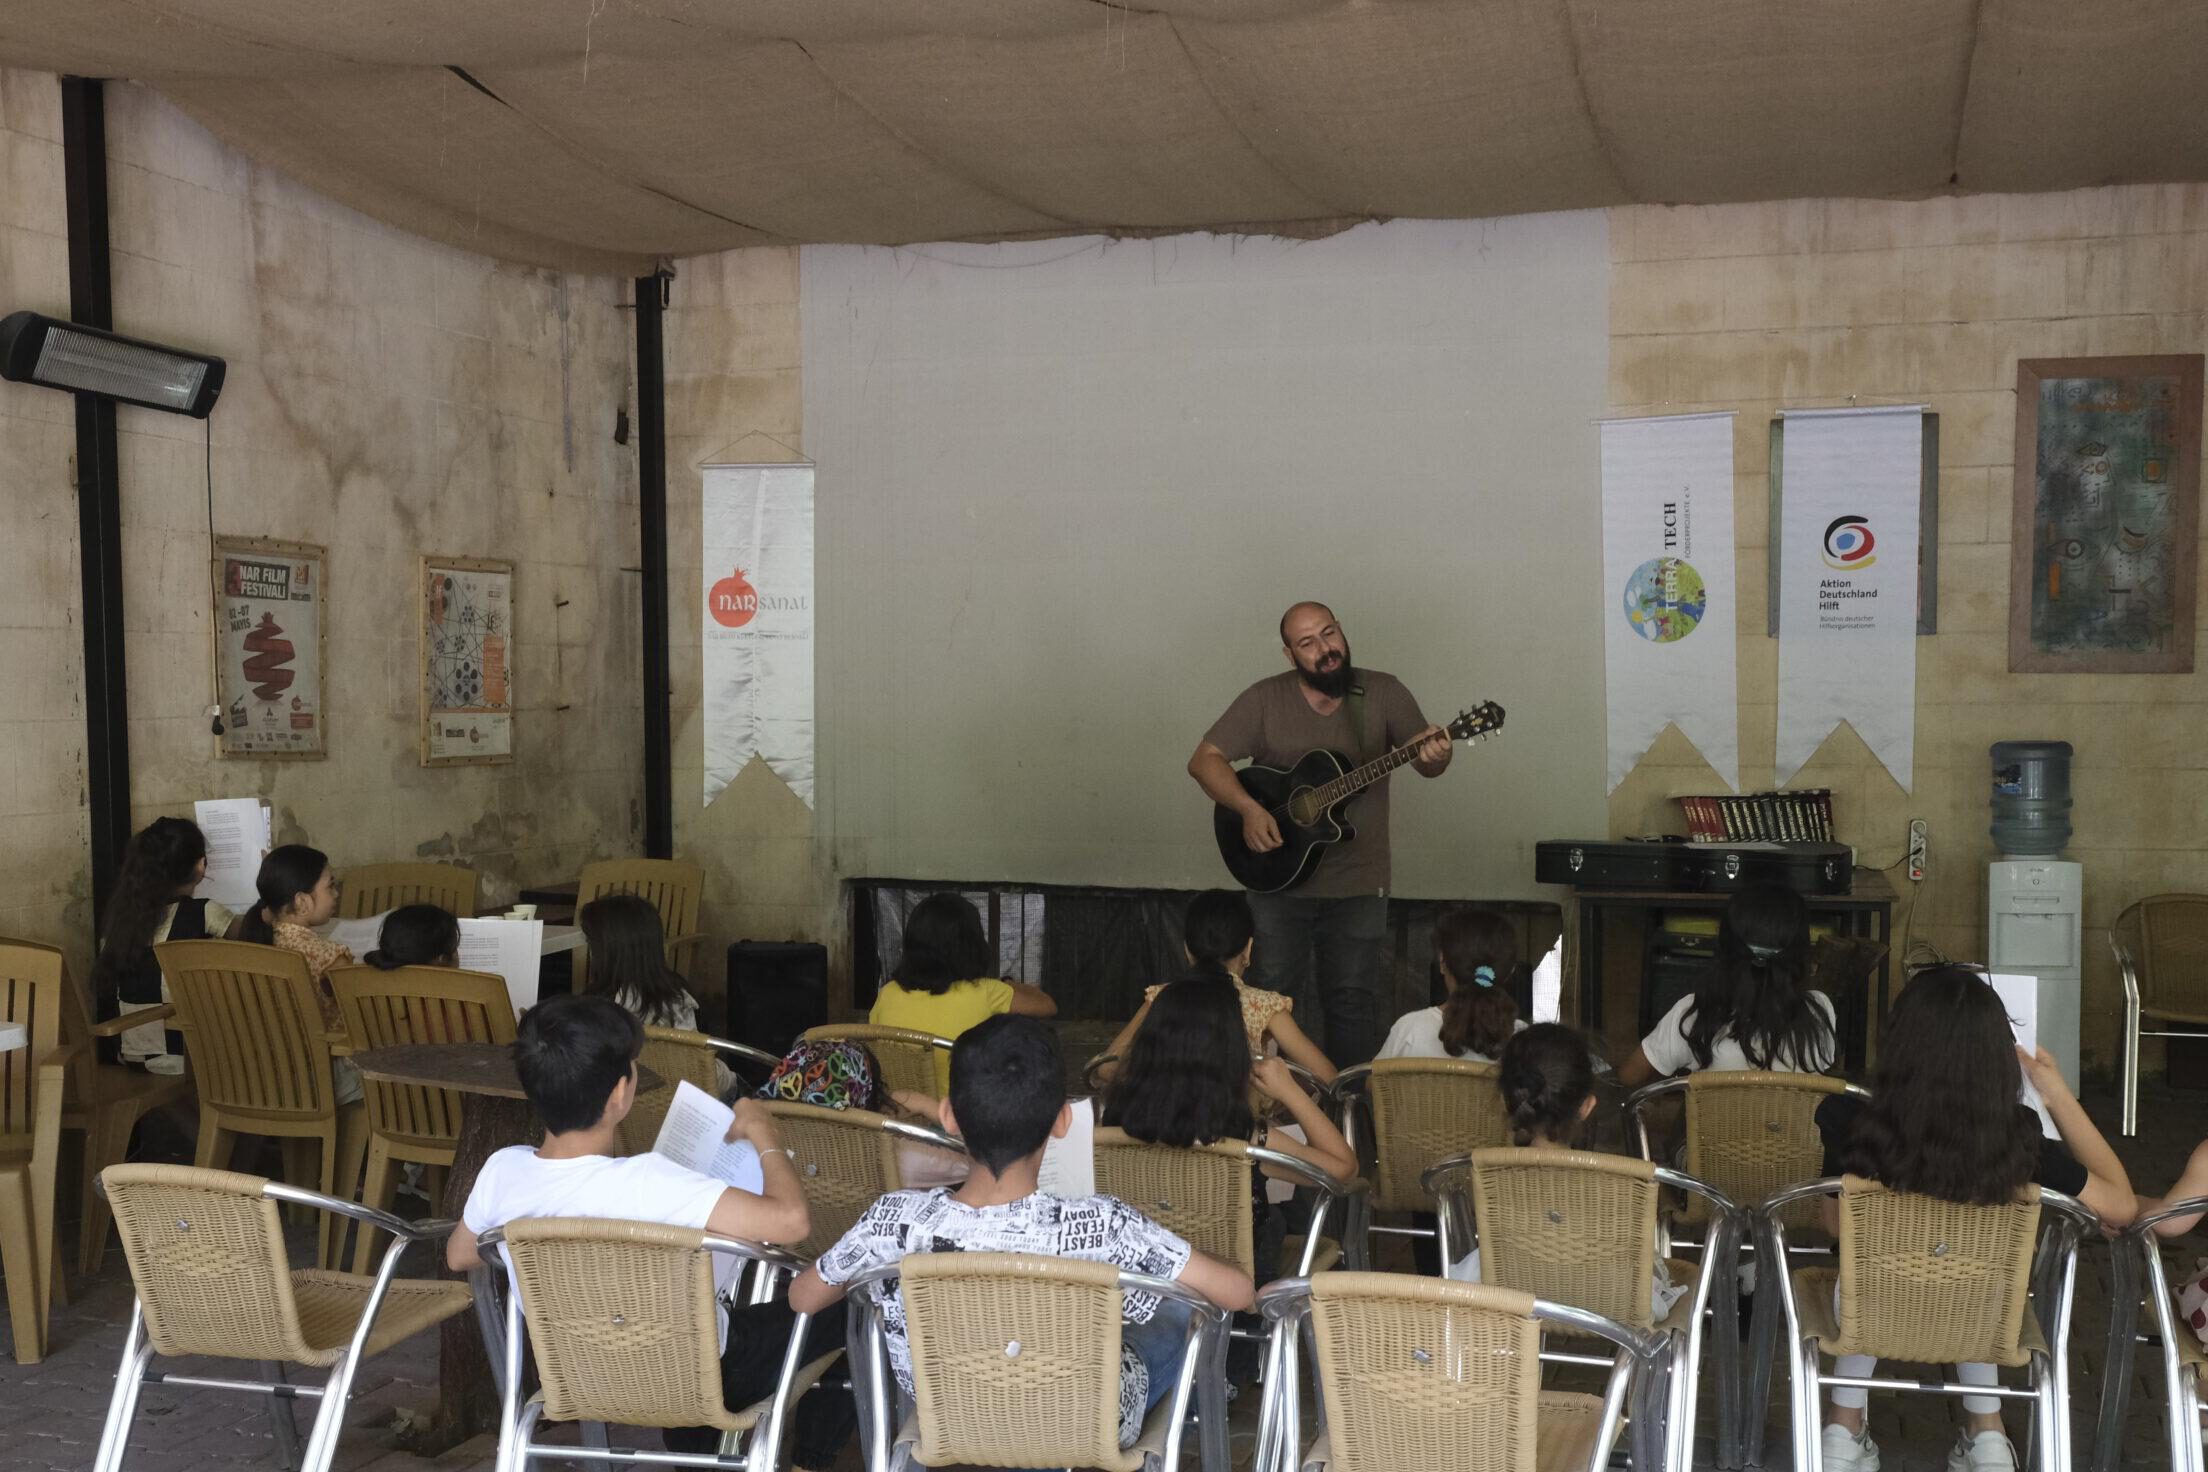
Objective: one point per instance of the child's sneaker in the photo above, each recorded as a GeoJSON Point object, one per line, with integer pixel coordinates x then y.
{"type": "Point", "coordinates": [1987, 1451]}
{"type": "Point", "coordinates": [1849, 1451]}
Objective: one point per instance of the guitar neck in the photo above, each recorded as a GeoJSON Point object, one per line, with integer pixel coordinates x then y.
{"type": "Point", "coordinates": [1353, 782]}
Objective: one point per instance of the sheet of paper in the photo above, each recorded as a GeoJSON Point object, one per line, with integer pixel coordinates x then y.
{"type": "Point", "coordinates": [1548, 985]}
{"type": "Point", "coordinates": [2020, 996]}
{"type": "Point", "coordinates": [513, 949]}
{"type": "Point", "coordinates": [358, 936]}
{"type": "Point", "coordinates": [1069, 1165]}
{"type": "Point", "coordinates": [1278, 1192]}
{"type": "Point", "coordinates": [695, 1133]}
{"type": "Point", "coordinates": [237, 833]}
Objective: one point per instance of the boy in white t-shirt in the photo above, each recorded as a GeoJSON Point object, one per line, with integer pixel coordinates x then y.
{"type": "Point", "coordinates": [576, 1056]}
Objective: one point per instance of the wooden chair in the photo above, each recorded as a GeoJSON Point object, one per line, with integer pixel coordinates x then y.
{"type": "Point", "coordinates": [680, 1056]}
{"type": "Point", "coordinates": [371, 889]}
{"type": "Point", "coordinates": [909, 1059]}
{"type": "Point", "coordinates": [1935, 1283]}
{"type": "Point", "coordinates": [623, 1319]}
{"type": "Point", "coordinates": [261, 1056]}
{"type": "Point", "coordinates": [2161, 947]}
{"type": "Point", "coordinates": [847, 1159]}
{"type": "Point", "coordinates": [2141, 1288]}
{"type": "Point", "coordinates": [105, 1101]}
{"type": "Point", "coordinates": [206, 1253]}
{"type": "Point", "coordinates": [1416, 1112]}
{"type": "Point", "coordinates": [1015, 1363]}
{"type": "Point", "coordinates": [1420, 1372]}
{"type": "Point", "coordinates": [674, 888]}
{"type": "Point", "coordinates": [33, 993]}
{"type": "Point", "coordinates": [407, 1122]}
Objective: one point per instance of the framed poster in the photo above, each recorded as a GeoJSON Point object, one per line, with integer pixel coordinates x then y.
{"type": "Point", "coordinates": [2103, 560]}
{"type": "Point", "coordinates": [269, 622]}
{"type": "Point", "coordinates": [467, 607]}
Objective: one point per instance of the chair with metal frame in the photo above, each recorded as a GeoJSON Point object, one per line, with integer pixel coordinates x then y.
{"type": "Point", "coordinates": [1422, 1372]}
{"type": "Point", "coordinates": [207, 1256]}
{"type": "Point", "coordinates": [908, 1057]}
{"type": "Point", "coordinates": [1932, 1282]}
{"type": "Point", "coordinates": [1016, 1363]}
{"type": "Point", "coordinates": [623, 1320]}
{"type": "Point", "coordinates": [1579, 1228]}
{"type": "Point", "coordinates": [679, 1055]}
{"type": "Point", "coordinates": [847, 1159]}
{"type": "Point", "coordinates": [371, 889]}
{"type": "Point", "coordinates": [1416, 1112]}
{"type": "Point", "coordinates": [2142, 1282]}
{"type": "Point", "coordinates": [2161, 947]}
{"type": "Point", "coordinates": [675, 889]}
{"type": "Point", "coordinates": [1748, 1135]}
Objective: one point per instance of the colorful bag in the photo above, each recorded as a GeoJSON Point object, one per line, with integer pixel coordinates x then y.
{"type": "Point", "coordinates": [833, 1075]}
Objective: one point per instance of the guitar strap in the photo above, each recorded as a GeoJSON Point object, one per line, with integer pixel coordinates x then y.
{"type": "Point", "coordinates": [1354, 703]}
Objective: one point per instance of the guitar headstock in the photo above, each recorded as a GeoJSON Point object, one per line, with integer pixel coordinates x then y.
{"type": "Point", "coordinates": [1484, 719]}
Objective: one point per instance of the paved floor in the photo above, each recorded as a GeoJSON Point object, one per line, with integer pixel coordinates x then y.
{"type": "Point", "coordinates": [51, 1413]}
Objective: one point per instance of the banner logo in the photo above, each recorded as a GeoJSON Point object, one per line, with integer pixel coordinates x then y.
{"type": "Point", "coordinates": [1665, 600]}
{"type": "Point", "coordinates": [733, 601]}
{"type": "Point", "coordinates": [1848, 543]}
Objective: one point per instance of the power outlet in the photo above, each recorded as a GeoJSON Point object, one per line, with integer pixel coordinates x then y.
{"type": "Point", "coordinates": [1918, 849]}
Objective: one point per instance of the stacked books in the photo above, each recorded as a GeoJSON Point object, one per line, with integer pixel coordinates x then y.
{"type": "Point", "coordinates": [1761, 817]}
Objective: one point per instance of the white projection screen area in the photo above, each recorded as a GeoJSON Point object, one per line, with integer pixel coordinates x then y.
{"type": "Point", "coordinates": [1066, 489]}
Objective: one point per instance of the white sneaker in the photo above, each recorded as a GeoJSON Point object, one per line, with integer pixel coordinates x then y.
{"type": "Point", "coordinates": [1846, 1451]}
{"type": "Point", "coordinates": [1987, 1451]}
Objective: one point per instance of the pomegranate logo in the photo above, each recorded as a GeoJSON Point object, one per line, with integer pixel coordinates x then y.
{"type": "Point", "coordinates": [732, 601]}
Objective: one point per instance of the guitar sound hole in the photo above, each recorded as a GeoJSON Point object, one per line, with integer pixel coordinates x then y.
{"type": "Point", "coordinates": [1303, 809]}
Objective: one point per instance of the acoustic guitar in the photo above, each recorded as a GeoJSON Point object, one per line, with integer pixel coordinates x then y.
{"type": "Point", "coordinates": [1307, 800]}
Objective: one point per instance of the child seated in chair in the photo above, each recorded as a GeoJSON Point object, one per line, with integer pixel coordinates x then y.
{"type": "Point", "coordinates": [577, 1059]}
{"type": "Point", "coordinates": [1008, 1099]}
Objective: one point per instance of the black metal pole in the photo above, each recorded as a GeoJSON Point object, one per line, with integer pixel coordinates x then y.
{"type": "Point", "coordinates": [651, 465]}
{"type": "Point", "coordinates": [99, 492]}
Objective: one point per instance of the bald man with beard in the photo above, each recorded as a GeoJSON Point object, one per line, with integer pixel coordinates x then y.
{"type": "Point", "coordinates": [1325, 936]}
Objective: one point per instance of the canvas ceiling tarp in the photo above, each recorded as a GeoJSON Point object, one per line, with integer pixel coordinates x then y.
{"type": "Point", "coordinates": [607, 134]}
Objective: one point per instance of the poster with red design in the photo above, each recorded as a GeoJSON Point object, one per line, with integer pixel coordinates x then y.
{"type": "Point", "coordinates": [268, 648]}
{"type": "Point", "coordinates": [467, 674]}
{"type": "Point", "coordinates": [757, 623]}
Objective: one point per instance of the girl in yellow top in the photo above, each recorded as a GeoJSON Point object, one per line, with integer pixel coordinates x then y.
{"type": "Point", "coordinates": [943, 984]}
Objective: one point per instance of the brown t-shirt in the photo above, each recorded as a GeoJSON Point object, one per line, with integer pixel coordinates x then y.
{"type": "Point", "coordinates": [1272, 724]}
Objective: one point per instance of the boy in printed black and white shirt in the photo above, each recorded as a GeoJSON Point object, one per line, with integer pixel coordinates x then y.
{"type": "Point", "coordinates": [1008, 1099]}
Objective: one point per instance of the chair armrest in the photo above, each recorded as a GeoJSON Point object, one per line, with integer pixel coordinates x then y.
{"type": "Point", "coordinates": [922, 1134]}
{"type": "Point", "coordinates": [2141, 1226]}
{"type": "Point", "coordinates": [679, 948]}
{"type": "Point", "coordinates": [115, 1027]}
{"type": "Point", "coordinates": [1310, 1174]}
{"type": "Point", "coordinates": [744, 1051]}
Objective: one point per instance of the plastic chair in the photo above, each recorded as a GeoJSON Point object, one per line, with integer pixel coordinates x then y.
{"type": "Point", "coordinates": [908, 1058]}
{"type": "Point", "coordinates": [261, 1057]}
{"type": "Point", "coordinates": [408, 1122]}
{"type": "Point", "coordinates": [33, 989]}
{"type": "Point", "coordinates": [105, 1101]}
{"type": "Point", "coordinates": [1420, 1372]}
{"type": "Point", "coordinates": [1578, 1228]}
{"type": "Point", "coordinates": [2161, 946]}
{"type": "Point", "coordinates": [623, 1319]}
{"type": "Point", "coordinates": [206, 1252]}
{"type": "Point", "coordinates": [2136, 1257]}
{"type": "Point", "coordinates": [371, 889]}
{"type": "Point", "coordinates": [680, 1056]}
{"type": "Point", "coordinates": [1932, 1282]}
{"type": "Point", "coordinates": [674, 888]}
{"type": "Point", "coordinates": [1416, 1113]}
{"type": "Point", "coordinates": [1015, 1363]}
{"type": "Point", "coordinates": [847, 1160]}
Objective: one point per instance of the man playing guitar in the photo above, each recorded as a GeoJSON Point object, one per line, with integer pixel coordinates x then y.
{"type": "Point", "coordinates": [1332, 929]}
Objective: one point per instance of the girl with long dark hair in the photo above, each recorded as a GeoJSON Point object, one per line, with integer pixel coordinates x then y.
{"type": "Point", "coordinates": [1755, 1009]}
{"type": "Point", "coordinates": [416, 935]}
{"type": "Point", "coordinates": [628, 961]}
{"type": "Point", "coordinates": [163, 863]}
{"type": "Point", "coordinates": [1946, 1119]}
{"type": "Point", "coordinates": [1477, 951]}
{"type": "Point", "coordinates": [945, 979]}
{"type": "Point", "coordinates": [298, 892]}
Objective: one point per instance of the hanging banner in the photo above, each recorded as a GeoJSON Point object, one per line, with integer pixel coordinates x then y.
{"type": "Point", "coordinates": [758, 623]}
{"type": "Point", "coordinates": [1667, 587]}
{"type": "Point", "coordinates": [1851, 481]}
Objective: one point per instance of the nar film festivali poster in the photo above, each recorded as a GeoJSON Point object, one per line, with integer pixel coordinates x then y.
{"type": "Point", "coordinates": [757, 623]}
{"type": "Point", "coordinates": [1667, 589]}
{"type": "Point", "coordinates": [268, 648]}
{"type": "Point", "coordinates": [1848, 535]}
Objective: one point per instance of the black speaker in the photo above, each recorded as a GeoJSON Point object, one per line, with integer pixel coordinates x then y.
{"type": "Point", "coordinates": [776, 989]}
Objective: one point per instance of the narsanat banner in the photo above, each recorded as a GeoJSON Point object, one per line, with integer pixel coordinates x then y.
{"type": "Point", "coordinates": [758, 623]}
{"type": "Point", "coordinates": [1851, 481]}
{"type": "Point", "coordinates": [1667, 587]}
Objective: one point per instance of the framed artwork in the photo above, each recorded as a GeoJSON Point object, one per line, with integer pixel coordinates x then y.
{"type": "Point", "coordinates": [467, 607]}
{"type": "Point", "coordinates": [2104, 553]}
{"type": "Point", "coordinates": [269, 623]}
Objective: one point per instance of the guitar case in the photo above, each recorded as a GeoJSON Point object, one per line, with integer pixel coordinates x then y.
{"type": "Point", "coordinates": [1693, 868]}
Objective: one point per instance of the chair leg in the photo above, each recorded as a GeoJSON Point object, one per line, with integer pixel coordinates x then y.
{"type": "Point", "coordinates": [19, 1261]}
{"type": "Point", "coordinates": [302, 1168]}
{"type": "Point", "coordinates": [1725, 1311]}
{"type": "Point", "coordinates": [376, 1191]}
{"type": "Point", "coordinates": [216, 1144]}
{"type": "Point", "coordinates": [1809, 1421]}
{"type": "Point", "coordinates": [2130, 1044]}
{"type": "Point", "coordinates": [106, 1143]}
{"type": "Point", "coordinates": [122, 1406]}
{"type": "Point", "coordinates": [1763, 1351]}
{"type": "Point", "coordinates": [345, 1150]}
{"type": "Point", "coordinates": [329, 1417]}
{"type": "Point", "coordinates": [281, 1415]}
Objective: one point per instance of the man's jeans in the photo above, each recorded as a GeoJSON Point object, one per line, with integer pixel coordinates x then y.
{"type": "Point", "coordinates": [1330, 950]}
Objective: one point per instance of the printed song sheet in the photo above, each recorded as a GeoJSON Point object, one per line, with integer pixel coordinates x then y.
{"type": "Point", "coordinates": [1069, 1165]}
{"type": "Point", "coordinates": [695, 1133]}
{"type": "Point", "coordinates": [237, 833]}
{"type": "Point", "coordinates": [513, 949]}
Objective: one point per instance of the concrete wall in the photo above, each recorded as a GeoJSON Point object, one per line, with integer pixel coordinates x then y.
{"type": "Point", "coordinates": [1813, 303]}
{"type": "Point", "coordinates": [386, 397]}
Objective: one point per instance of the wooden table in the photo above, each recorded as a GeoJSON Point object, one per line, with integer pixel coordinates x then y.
{"type": "Point", "coordinates": [494, 1115]}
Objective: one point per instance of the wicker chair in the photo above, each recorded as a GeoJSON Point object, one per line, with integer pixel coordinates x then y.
{"type": "Point", "coordinates": [679, 1056]}
{"type": "Point", "coordinates": [1581, 1229]}
{"type": "Point", "coordinates": [673, 887]}
{"type": "Point", "coordinates": [1202, 1193]}
{"type": "Point", "coordinates": [408, 1122]}
{"type": "Point", "coordinates": [1932, 1282]}
{"type": "Point", "coordinates": [261, 1057]}
{"type": "Point", "coordinates": [910, 1060]}
{"type": "Point", "coordinates": [206, 1253]}
{"type": "Point", "coordinates": [1748, 1135]}
{"type": "Point", "coordinates": [371, 889]}
{"type": "Point", "coordinates": [33, 995]}
{"type": "Point", "coordinates": [2139, 1272]}
{"type": "Point", "coordinates": [847, 1159]}
{"type": "Point", "coordinates": [105, 1101]}
{"type": "Point", "coordinates": [1419, 1372]}
{"type": "Point", "coordinates": [1015, 1363]}
{"type": "Point", "coordinates": [1415, 1112]}
{"type": "Point", "coordinates": [2161, 947]}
